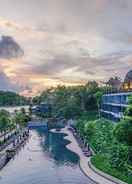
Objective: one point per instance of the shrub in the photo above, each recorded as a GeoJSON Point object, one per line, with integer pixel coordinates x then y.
{"type": "Point", "coordinates": [89, 129]}
{"type": "Point", "coordinates": [119, 156]}
{"type": "Point", "coordinates": [123, 131]}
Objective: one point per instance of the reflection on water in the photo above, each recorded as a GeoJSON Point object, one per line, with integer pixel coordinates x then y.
{"type": "Point", "coordinates": [44, 160]}
{"type": "Point", "coordinates": [55, 146]}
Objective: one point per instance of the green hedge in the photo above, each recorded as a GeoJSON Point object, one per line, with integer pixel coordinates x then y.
{"type": "Point", "coordinates": [102, 162]}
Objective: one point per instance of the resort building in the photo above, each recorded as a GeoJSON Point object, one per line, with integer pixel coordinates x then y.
{"type": "Point", "coordinates": [127, 85]}
{"type": "Point", "coordinates": [113, 105]}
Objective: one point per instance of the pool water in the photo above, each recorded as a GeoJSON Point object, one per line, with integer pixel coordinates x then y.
{"type": "Point", "coordinates": [44, 160]}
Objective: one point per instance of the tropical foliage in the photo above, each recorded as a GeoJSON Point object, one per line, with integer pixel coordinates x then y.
{"type": "Point", "coordinates": [111, 142]}
{"type": "Point", "coordinates": [71, 102]}
{"type": "Point", "coordinates": [111, 155]}
{"type": "Point", "coordinates": [8, 98]}
{"type": "Point", "coordinates": [10, 123]}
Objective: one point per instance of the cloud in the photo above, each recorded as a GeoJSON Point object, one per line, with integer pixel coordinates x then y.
{"type": "Point", "coordinates": [70, 68]}
{"type": "Point", "coordinates": [7, 85]}
{"type": "Point", "coordinates": [65, 41]}
{"type": "Point", "coordinates": [9, 48]}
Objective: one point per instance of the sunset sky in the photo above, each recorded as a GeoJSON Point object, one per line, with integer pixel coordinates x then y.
{"type": "Point", "coordinates": [52, 42]}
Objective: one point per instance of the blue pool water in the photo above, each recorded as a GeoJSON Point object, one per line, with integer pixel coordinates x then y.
{"type": "Point", "coordinates": [44, 160]}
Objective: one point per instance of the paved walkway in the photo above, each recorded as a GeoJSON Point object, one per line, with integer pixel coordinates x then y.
{"type": "Point", "coordinates": [73, 146]}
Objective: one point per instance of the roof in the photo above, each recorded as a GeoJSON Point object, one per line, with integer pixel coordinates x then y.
{"type": "Point", "coordinates": [128, 76]}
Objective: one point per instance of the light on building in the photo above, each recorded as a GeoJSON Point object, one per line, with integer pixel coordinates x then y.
{"type": "Point", "coordinates": [126, 86]}
{"type": "Point", "coordinates": [130, 84]}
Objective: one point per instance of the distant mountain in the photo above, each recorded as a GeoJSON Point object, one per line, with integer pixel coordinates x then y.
{"type": "Point", "coordinates": [9, 48]}
{"type": "Point", "coordinates": [8, 98]}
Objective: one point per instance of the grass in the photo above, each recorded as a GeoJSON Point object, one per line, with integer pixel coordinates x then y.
{"type": "Point", "coordinates": [102, 163]}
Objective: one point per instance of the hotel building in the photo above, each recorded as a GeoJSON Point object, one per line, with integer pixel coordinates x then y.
{"type": "Point", "coordinates": [113, 105]}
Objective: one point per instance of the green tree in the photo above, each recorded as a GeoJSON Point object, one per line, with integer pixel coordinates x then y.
{"type": "Point", "coordinates": [20, 119]}
{"type": "Point", "coordinates": [98, 96]}
{"type": "Point", "coordinates": [4, 124]}
{"type": "Point", "coordinates": [4, 120]}
{"type": "Point", "coordinates": [128, 112]}
{"type": "Point", "coordinates": [11, 98]}
{"type": "Point", "coordinates": [72, 101]}
{"type": "Point", "coordinates": [4, 113]}
{"type": "Point", "coordinates": [123, 130]}
{"type": "Point", "coordinates": [89, 129]}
